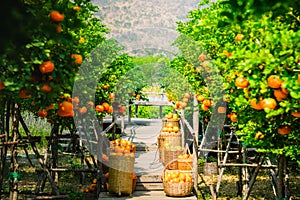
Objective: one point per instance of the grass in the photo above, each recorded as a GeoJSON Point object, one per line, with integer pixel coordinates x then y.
{"type": "Point", "coordinates": [69, 182]}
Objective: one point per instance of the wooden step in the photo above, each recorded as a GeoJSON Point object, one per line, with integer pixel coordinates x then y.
{"type": "Point", "coordinates": [144, 195]}
{"type": "Point", "coordinates": [149, 178]}
{"type": "Point", "coordinates": [154, 186]}
{"type": "Point", "coordinates": [148, 182]}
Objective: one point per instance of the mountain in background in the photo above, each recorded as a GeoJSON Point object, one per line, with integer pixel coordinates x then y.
{"type": "Point", "coordinates": [145, 27]}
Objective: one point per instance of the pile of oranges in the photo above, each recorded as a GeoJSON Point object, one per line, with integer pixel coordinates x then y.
{"type": "Point", "coordinates": [171, 124]}
{"type": "Point", "coordinates": [122, 147]}
{"type": "Point", "coordinates": [176, 176]}
{"type": "Point", "coordinates": [91, 188]}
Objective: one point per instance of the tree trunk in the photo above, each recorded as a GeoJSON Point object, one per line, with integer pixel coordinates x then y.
{"type": "Point", "coordinates": [280, 186]}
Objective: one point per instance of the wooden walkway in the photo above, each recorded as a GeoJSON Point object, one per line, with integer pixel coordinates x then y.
{"type": "Point", "coordinates": [149, 170]}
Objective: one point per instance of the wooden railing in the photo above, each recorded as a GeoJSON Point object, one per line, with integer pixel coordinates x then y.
{"type": "Point", "coordinates": [194, 133]}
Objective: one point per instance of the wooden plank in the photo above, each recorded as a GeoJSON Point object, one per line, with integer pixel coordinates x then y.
{"type": "Point", "coordinates": [218, 151]}
{"type": "Point", "coordinates": [149, 186]}
{"type": "Point", "coordinates": [246, 165]}
{"type": "Point", "coordinates": [150, 178]}
{"type": "Point", "coordinates": [154, 103]}
{"type": "Point", "coordinates": [53, 197]}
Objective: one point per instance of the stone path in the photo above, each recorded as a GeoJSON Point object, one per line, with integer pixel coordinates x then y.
{"type": "Point", "coordinates": [144, 134]}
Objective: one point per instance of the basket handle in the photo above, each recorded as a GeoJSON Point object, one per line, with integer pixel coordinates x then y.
{"type": "Point", "coordinates": [187, 149]}
{"type": "Point", "coordinates": [176, 159]}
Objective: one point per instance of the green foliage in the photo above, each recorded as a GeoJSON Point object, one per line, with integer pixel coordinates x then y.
{"type": "Point", "coordinates": [268, 44]}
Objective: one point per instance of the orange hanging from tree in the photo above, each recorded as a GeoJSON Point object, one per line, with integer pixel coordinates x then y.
{"type": "Point", "coordinates": [46, 67]}
{"type": "Point", "coordinates": [274, 81]}
{"type": "Point", "coordinates": [56, 16]}
{"type": "Point", "coordinates": [65, 109]}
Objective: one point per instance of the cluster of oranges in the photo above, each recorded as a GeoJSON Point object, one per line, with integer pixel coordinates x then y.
{"type": "Point", "coordinates": [122, 147]}
{"type": "Point", "coordinates": [171, 124]}
{"type": "Point", "coordinates": [91, 188]}
{"type": "Point", "coordinates": [180, 105]}
{"type": "Point", "coordinates": [280, 93]}
{"type": "Point", "coordinates": [176, 176]}
{"type": "Point", "coordinates": [205, 102]}
{"type": "Point", "coordinates": [104, 107]}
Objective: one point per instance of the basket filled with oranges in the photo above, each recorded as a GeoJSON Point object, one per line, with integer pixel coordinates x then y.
{"type": "Point", "coordinates": [177, 183]}
{"type": "Point", "coordinates": [134, 177]}
{"type": "Point", "coordinates": [121, 167]}
{"type": "Point", "coordinates": [185, 160]}
{"type": "Point", "coordinates": [171, 154]}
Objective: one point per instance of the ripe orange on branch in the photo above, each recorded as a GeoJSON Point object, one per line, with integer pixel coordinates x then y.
{"type": "Point", "coordinates": [25, 93]}
{"type": "Point", "coordinates": [205, 108]}
{"type": "Point", "coordinates": [280, 95]}
{"type": "Point", "coordinates": [77, 58]}
{"type": "Point", "coordinates": [105, 106]}
{"type": "Point", "coordinates": [77, 8]}
{"type": "Point", "coordinates": [46, 88]}
{"type": "Point", "coordinates": [200, 98]}
{"type": "Point", "coordinates": [46, 67]}
{"type": "Point", "coordinates": [42, 113]}
{"type": "Point", "coordinates": [65, 109]}
{"type": "Point", "coordinates": [269, 103]}
{"type": "Point", "coordinates": [233, 117]}
{"type": "Point", "coordinates": [2, 86]}
{"type": "Point", "coordinates": [239, 37]}
{"type": "Point", "coordinates": [56, 16]}
{"type": "Point", "coordinates": [255, 105]}
{"type": "Point", "coordinates": [99, 108]}
{"type": "Point", "coordinates": [207, 102]}
{"type": "Point", "coordinates": [274, 81]}
{"type": "Point", "coordinates": [296, 114]}
{"type": "Point", "coordinates": [283, 130]}
{"type": "Point", "coordinates": [241, 82]}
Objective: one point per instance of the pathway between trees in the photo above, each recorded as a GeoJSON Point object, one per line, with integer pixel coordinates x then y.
{"type": "Point", "coordinates": [144, 133]}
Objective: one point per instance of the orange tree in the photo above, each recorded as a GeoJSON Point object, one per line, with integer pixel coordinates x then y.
{"type": "Point", "coordinates": [40, 72]}
{"type": "Point", "coordinates": [255, 47]}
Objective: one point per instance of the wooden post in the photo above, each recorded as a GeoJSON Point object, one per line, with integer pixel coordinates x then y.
{"type": "Point", "coordinates": [136, 110]}
{"type": "Point", "coordinates": [122, 124]}
{"type": "Point", "coordinates": [46, 172]}
{"type": "Point", "coordinates": [13, 182]}
{"type": "Point", "coordinates": [280, 186]}
{"type": "Point", "coordinates": [196, 119]}
{"type": "Point", "coordinates": [160, 112]}
{"type": "Point", "coordinates": [4, 130]}
{"type": "Point", "coordinates": [245, 170]}
{"type": "Point", "coordinates": [182, 128]}
{"type": "Point", "coordinates": [129, 114]}
{"type": "Point", "coordinates": [224, 162]}
{"type": "Point", "coordinates": [240, 173]}
{"type": "Point", "coordinates": [253, 178]}
{"type": "Point", "coordinates": [195, 164]}
{"type": "Point", "coordinates": [54, 151]}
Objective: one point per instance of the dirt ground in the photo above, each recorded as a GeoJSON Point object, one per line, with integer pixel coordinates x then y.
{"type": "Point", "coordinates": [70, 183]}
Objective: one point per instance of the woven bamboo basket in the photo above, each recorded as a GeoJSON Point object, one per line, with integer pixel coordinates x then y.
{"type": "Point", "coordinates": [185, 164]}
{"type": "Point", "coordinates": [160, 142]}
{"type": "Point", "coordinates": [172, 139]}
{"type": "Point", "coordinates": [170, 121]}
{"type": "Point", "coordinates": [170, 158]}
{"type": "Point", "coordinates": [179, 189]}
{"type": "Point", "coordinates": [120, 175]}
